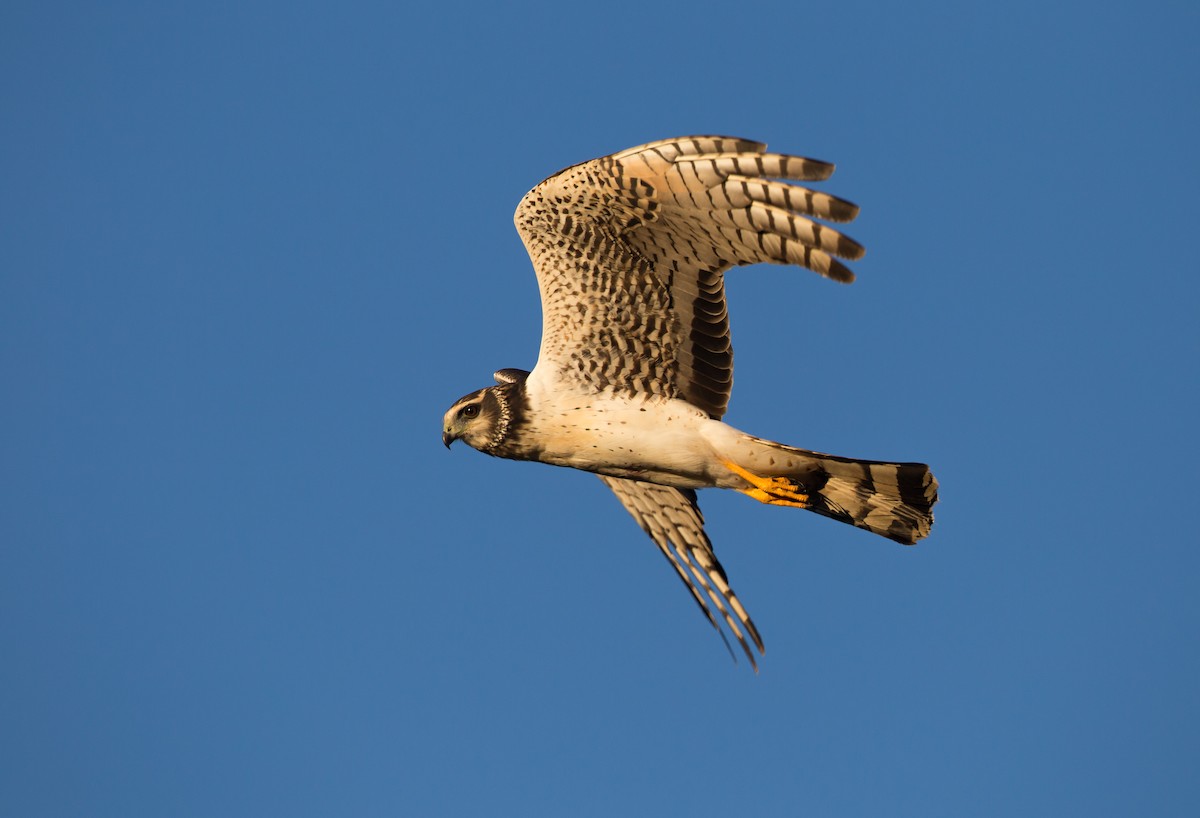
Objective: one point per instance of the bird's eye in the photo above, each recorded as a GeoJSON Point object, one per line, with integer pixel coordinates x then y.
{"type": "Point", "coordinates": [470, 411]}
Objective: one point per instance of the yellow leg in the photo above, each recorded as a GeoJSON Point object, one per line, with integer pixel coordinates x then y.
{"type": "Point", "coordinates": [775, 491]}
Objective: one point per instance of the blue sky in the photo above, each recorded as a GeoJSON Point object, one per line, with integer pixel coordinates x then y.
{"type": "Point", "coordinates": [250, 252]}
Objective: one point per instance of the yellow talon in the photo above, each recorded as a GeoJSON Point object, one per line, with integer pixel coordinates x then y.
{"type": "Point", "coordinates": [774, 491]}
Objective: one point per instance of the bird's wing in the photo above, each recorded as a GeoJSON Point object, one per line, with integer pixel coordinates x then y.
{"type": "Point", "coordinates": [631, 249]}
{"type": "Point", "coordinates": [673, 520]}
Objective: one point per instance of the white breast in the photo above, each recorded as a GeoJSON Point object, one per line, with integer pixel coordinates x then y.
{"type": "Point", "coordinates": [650, 439]}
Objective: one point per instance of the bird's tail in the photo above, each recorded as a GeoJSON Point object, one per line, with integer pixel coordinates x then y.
{"type": "Point", "coordinates": [893, 500]}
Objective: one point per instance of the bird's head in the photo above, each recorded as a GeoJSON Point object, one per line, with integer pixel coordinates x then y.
{"type": "Point", "coordinates": [477, 419]}
{"type": "Point", "coordinates": [484, 418]}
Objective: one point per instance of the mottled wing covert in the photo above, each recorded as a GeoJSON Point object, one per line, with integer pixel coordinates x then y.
{"type": "Point", "coordinates": [630, 252]}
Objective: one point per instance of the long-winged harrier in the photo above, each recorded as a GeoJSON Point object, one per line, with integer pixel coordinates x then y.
{"type": "Point", "coordinates": [636, 366]}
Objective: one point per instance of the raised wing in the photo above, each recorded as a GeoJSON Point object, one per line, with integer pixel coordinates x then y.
{"type": "Point", "coordinates": [630, 252]}
{"type": "Point", "coordinates": [673, 520]}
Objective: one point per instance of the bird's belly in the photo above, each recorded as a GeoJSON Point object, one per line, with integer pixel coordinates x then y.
{"type": "Point", "coordinates": [659, 442]}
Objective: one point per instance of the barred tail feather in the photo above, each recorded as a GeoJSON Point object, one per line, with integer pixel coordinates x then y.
{"type": "Point", "coordinates": [893, 500]}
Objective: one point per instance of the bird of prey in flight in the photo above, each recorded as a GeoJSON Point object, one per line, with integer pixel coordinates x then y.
{"type": "Point", "coordinates": [635, 367]}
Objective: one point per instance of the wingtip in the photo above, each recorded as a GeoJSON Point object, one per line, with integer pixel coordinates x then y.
{"type": "Point", "coordinates": [840, 272]}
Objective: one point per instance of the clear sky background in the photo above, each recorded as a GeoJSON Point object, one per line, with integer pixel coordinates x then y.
{"type": "Point", "coordinates": [250, 252]}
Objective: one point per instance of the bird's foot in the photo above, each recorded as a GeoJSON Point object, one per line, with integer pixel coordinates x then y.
{"type": "Point", "coordinates": [775, 491]}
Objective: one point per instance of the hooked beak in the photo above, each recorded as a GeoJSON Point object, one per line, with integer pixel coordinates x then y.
{"type": "Point", "coordinates": [448, 438]}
